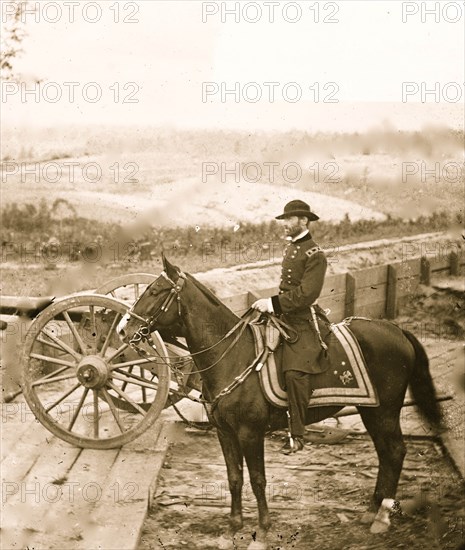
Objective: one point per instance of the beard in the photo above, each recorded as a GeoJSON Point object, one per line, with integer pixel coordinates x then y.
{"type": "Point", "coordinates": [293, 230]}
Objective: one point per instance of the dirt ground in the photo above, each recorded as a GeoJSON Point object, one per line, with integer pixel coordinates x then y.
{"type": "Point", "coordinates": [316, 498]}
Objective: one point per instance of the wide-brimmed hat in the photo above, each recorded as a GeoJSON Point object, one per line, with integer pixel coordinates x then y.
{"type": "Point", "coordinates": [298, 208]}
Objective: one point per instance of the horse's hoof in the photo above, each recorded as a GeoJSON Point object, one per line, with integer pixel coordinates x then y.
{"type": "Point", "coordinates": [382, 522]}
{"type": "Point", "coordinates": [379, 526]}
{"type": "Point", "coordinates": [236, 524]}
{"type": "Point", "coordinates": [259, 537]}
{"type": "Point", "coordinates": [368, 517]}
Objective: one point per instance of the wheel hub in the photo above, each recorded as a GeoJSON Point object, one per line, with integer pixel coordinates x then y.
{"type": "Point", "coordinates": [92, 372]}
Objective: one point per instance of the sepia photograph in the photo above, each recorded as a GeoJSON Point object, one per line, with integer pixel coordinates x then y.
{"type": "Point", "coordinates": [232, 287]}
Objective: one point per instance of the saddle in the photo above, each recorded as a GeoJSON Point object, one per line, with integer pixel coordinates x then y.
{"type": "Point", "coordinates": [273, 330]}
{"type": "Point", "coordinates": [342, 379]}
{"type": "Point", "coordinates": [276, 332]}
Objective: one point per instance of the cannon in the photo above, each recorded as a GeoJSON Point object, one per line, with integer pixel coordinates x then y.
{"type": "Point", "coordinates": [80, 381]}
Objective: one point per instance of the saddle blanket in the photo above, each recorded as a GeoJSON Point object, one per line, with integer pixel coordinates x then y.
{"type": "Point", "coordinates": [346, 381]}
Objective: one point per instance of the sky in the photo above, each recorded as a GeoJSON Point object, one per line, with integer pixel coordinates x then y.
{"type": "Point", "coordinates": [333, 65]}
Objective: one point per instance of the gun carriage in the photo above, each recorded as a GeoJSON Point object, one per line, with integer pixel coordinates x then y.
{"type": "Point", "coordinates": [80, 381]}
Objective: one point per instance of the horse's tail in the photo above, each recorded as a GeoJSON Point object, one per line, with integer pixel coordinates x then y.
{"type": "Point", "coordinates": [422, 386]}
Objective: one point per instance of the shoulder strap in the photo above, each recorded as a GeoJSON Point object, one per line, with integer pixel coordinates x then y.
{"type": "Point", "coordinates": [311, 251]}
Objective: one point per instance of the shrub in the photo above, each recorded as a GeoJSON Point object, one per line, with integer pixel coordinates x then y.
{"type": "Point", "coordinates": [30, 223]}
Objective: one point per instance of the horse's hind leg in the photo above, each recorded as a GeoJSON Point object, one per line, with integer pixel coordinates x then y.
{"type": "Point", "coordinates": [234, 465]}
{"type": "Point", "coordinates": [384, 428]}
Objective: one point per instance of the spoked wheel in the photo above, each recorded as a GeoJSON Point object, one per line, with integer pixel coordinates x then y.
{"type": "Point", "coordinates": [127, 288]}
{"type": "Point", "coordinates": [82, 383]}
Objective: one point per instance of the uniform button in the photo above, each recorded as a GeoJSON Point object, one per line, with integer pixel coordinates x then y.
{"type": "Point", "coordinates": [298, 248]}
{"type": "Point", "coordinates": [289, 269]}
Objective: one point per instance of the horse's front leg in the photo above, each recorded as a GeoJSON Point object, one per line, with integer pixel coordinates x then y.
{"type": "Point", "coordinates": [234, 464]}
{"type": "Point", "coordinates": [252, 442]}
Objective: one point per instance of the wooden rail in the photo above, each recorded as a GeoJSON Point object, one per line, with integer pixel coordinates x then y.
{"type": "Point", "coordinates": [372, 292]}
{"type": "Point", "coordinates": [375, 292]}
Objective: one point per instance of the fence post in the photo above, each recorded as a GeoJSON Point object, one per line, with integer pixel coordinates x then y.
{"type": "Point", "coordinates": [425, 271]}
{"type": "Point", "coordinates": [349, 303]}
{"type": "Point", "coordinates": [391, 293]}
{"type": "Point", "coordinates": [454, 263]}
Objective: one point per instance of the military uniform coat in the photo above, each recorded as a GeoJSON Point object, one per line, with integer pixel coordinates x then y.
{"type": "Point", "coordinates": [303, 272]}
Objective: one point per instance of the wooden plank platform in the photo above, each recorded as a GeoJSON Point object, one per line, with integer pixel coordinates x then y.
{"type": "Point", "coordinates": [57, 496]}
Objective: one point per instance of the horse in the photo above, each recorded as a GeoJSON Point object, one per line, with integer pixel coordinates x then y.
{"type": "Point", "coordinates": [223, 351]}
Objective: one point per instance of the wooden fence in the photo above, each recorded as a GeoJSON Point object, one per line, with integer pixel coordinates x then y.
{"type": "Point", "coordinates": [374, 292]}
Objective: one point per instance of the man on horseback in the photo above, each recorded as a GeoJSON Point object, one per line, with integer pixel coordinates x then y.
{"type": "Point", "coordinates": [303, 271]}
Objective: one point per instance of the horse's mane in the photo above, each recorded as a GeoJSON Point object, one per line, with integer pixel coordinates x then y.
{"type": "Point", "coordinates": [208, 293]}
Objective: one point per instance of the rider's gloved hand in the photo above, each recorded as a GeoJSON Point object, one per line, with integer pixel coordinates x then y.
{"type": "Point", "coordinates": [263, 305]}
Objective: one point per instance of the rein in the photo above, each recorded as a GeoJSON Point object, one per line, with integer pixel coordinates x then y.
{"type": "Point", "coordinates": [143, 334]}
{"type": "Point", "coordinates": [144, 331]}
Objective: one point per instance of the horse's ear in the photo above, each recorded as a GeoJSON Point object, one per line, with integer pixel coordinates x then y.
{"type": "Point", "coordinates": [171, 270]}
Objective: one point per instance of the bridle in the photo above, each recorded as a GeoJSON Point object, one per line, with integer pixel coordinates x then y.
{"type": "Point", "coordinates": [143, 332]}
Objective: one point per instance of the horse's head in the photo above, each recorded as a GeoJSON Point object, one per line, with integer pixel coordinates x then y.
{"type": "Point", "coordinates": [157, 308]}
